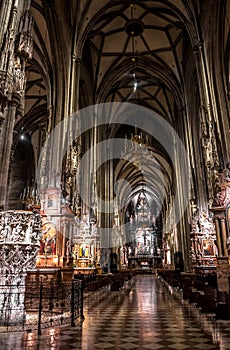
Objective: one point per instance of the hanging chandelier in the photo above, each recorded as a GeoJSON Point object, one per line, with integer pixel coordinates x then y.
{"type": "Point", "coordinates": [134, 28]}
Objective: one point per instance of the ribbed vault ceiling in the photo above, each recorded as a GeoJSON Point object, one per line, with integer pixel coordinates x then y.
{"type": "Point", "coordinates": [136, 49]}
{"type": "Point", "coordinates": [137, 42]}
{"type": "Point", "coordinates": [136, 53]}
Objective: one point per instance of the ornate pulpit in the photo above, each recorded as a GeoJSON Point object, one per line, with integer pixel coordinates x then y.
{"type": "Point", "coordinates": [19, 244]}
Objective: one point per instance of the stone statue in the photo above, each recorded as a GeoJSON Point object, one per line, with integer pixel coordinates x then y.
{"type": "Point", "coordinates": [222, 188]}
{"type": "Point", "coordinates": [18, 76]}
{"type": "Point", "coordinates": [68, 249]}
{"type": "Point", "coordinates": [225, 177]}
{"type": "Point", "coordinates": [193, 255]}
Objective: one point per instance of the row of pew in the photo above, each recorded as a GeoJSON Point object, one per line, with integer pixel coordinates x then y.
{"type": "Point", "coordinates": [200, 290]}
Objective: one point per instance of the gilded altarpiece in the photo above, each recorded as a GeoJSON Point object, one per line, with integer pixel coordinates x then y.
{"type": "Point", "coordinates": [203, 241]}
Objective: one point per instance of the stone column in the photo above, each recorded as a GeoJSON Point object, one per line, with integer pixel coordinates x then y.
{"type": "Point", "coordinates": [74, 84]}
{"type": "Point", "coordinates": [207, 112]}
{"type": "Point", "coordinates": [221, 232]}
{"type": "Point", "coordinates": [218, 238]}
{"type": "Point", "coordinates": [5, 147]}
{"type": "Point", "coordinates": [20, 234]}
{"type": "Point", "coordinates": [16, 50]}
{"type": "Point", "coordinates": [224, 235]}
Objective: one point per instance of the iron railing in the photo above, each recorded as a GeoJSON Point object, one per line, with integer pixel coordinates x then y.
{"type": "Point", "coordinates": [40, 305]}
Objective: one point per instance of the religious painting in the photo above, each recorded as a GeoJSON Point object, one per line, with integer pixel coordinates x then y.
{"type": "Point", "coordinates": [83, 251]}
{"type": "Point", "coordinates": [208, 247]}
{"type": "Point", "coordinates": [52, 201]}
{"type": "Point", "coordinates": [48, 240]}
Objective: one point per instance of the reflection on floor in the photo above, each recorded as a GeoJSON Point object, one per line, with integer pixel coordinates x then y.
{"type": "Point", "coordinates": [145, 316]}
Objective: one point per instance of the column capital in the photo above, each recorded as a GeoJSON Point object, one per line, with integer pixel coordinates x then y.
{"type": "Point", "coordinates": [76, 58]}
{"type": "Point", "coordinates": [198, 46]}
{"type": "Point", "coordinates": [220, 217]}
{"type": "Point", "coordinates": [15, 100]}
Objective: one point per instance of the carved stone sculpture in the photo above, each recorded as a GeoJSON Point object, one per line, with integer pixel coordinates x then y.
{"type": "Point", "coordinates": [222, 188]}
{"type": "Point", "coordinates": [19, 242]}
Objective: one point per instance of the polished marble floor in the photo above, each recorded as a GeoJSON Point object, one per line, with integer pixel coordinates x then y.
{"type": "Point", "coordinates": [145, 315]}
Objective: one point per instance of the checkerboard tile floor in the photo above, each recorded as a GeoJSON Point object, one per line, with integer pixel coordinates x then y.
{"type": "Point", "coordinates": [147, 316]}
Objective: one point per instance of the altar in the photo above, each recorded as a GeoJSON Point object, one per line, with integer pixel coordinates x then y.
{"type": "Point", "coordinates": [84, 270]}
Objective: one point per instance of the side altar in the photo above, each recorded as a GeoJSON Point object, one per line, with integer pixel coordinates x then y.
{"type": "Point", "coordinates": [67, 242]}
{"type": "Point", "coordinates": [56, 234]}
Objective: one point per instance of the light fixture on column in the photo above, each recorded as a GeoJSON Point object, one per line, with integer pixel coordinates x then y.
{"type": "Point", "coordinates": [22, 134]}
